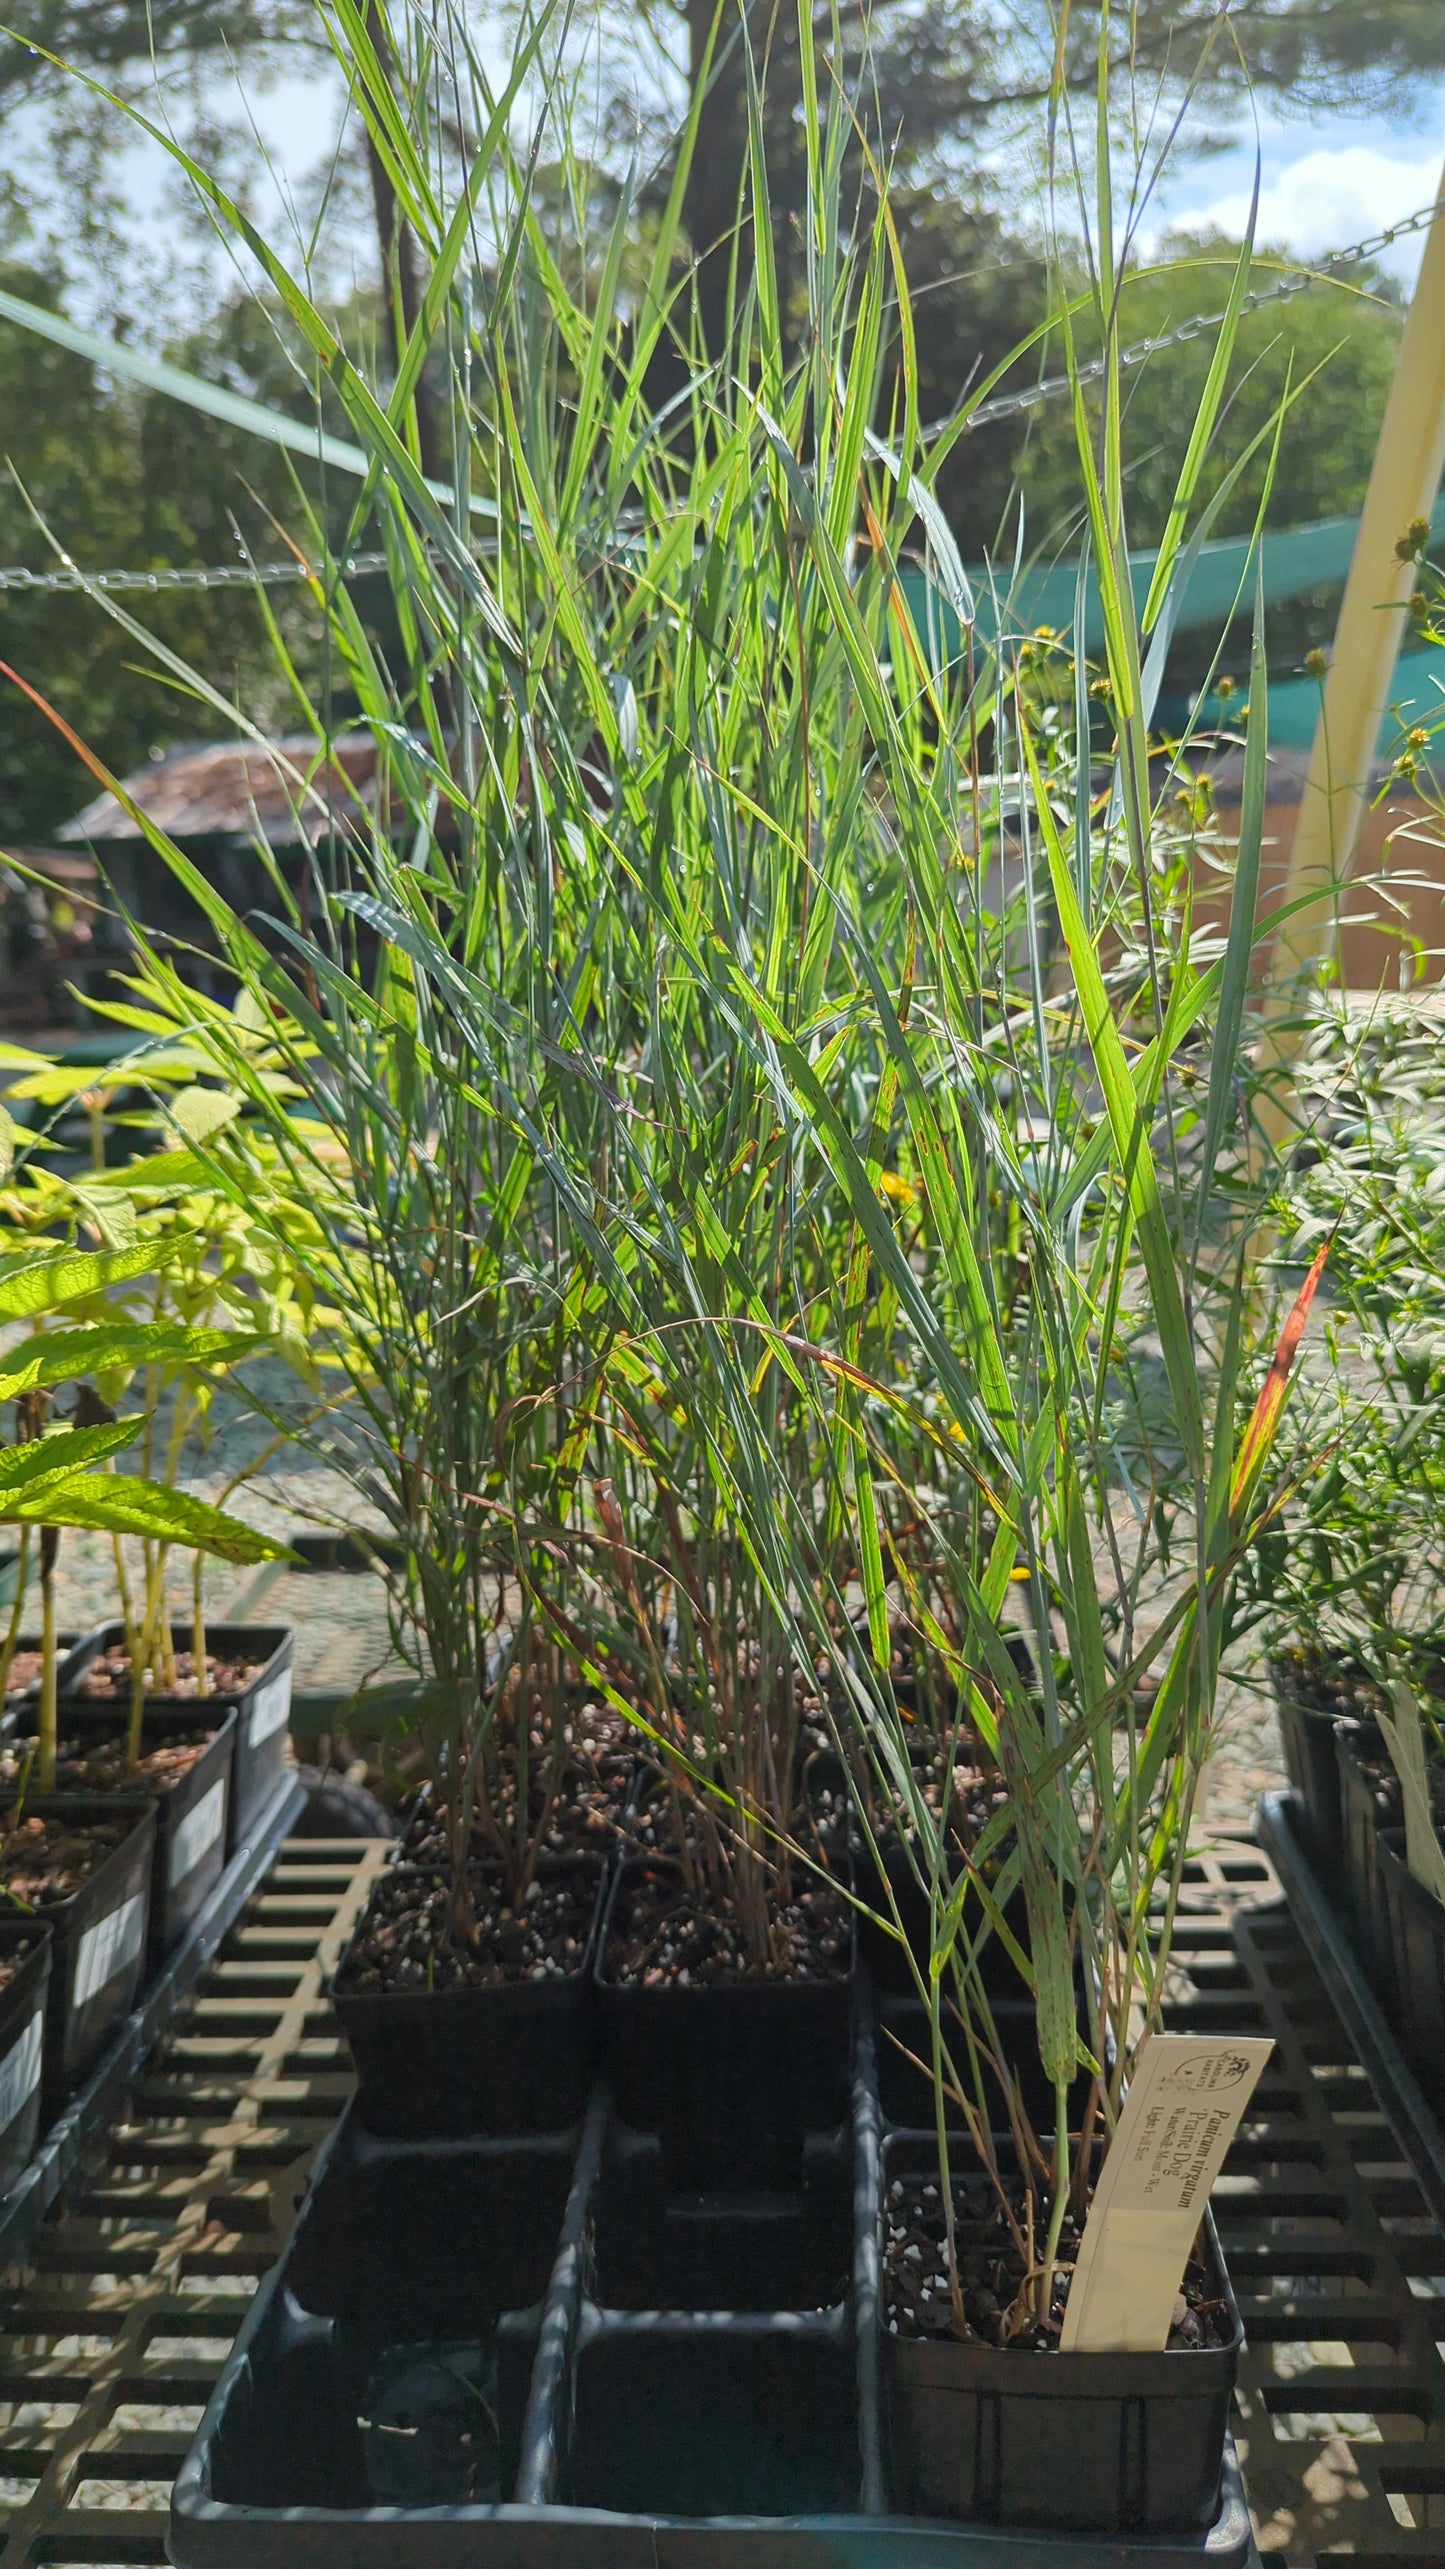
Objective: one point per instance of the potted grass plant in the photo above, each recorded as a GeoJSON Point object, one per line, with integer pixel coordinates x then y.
{"type": "Point", "coordinates": [1031, 1283]}
{"type": "Point", "coordinates": [478, 1303]}
{"type": "Point", "coordinates": [749, 1234]}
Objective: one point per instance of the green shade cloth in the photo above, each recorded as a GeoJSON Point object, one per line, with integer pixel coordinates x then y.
{"type": "Point", "coordinates": [1296, 560]}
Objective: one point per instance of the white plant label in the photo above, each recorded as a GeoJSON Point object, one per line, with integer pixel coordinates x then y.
{"type": "Point", "coordinates": [107, 1947]}
{"type": "Point", "coordinates": [197, 1833]}
{"type": "Point", "coordinates": [270, 1708]}
{"type": "Point", "coordinates": [1185, 2103]}
{"type": "Point", "coordinates": [20, 2071]}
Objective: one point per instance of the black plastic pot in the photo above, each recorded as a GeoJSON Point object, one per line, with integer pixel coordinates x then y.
{"type": "Point", "coordinates": [888, 1964]}
{"type": "Point", "coordinates": [191, 1827]}
{"type": "Point", "coordinates": [26, 1942]}
{"type": "Point", "coordinates": [730, 2078]}
{"type": "Point", "coordinates": [1308, 1735]}
{"type": "Point", "coordinates": [68, 1647]}
{"type": "Point", "coordinates": [262, 1708]}
{"type": "Point", "coordinates": [99, 1939]}
{"type": "Point", "coordinates": [1077, 2443]}
{"type": "Point", "coordinates": [1417, 1926]}
{"type": "Point", "coordinates": [1367, 1805]}
{"type": "Point", "coordinates": [904, 2042]}
{"type": "Point", "coordinates": [443, 2062]}
{"type": "Point", "coordinates": [191, 1814]}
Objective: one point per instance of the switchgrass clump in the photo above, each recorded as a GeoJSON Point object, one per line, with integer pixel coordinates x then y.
{"type": "Point", "coordinates": [773, 1157]}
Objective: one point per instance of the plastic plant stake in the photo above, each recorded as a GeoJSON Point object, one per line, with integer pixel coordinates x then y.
{"type": "Point", "coordinates": [1185, 2103]}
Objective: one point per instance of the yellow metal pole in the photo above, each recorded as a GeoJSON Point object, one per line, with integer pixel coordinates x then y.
{"type": "Point", "coordinates": [1404, 482]}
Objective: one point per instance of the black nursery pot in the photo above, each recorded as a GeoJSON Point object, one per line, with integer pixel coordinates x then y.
{"type": "Point", "coordinates": [1101, 2444]}
{"type": "Point", "coordinates": [262, 1707]}
{"type": "Point", "coordinates": [1417, 1928]}
{"type": "Point", "coordinates": [731, 2078]}
{"type": "Point", "coordinates": [438, 2063]}
{"type": "Point", "coordinates": [68, 1645]}
{"type": "Point", "coordinates": [99, 1938]}
{"type": "Point", "coordinates": [26, 1942]}
{"type": "Point", "coordinates": [191, 1826]}
{"type": "Point", "coordinates": [191, 1814]}
{"type": "Point", "coordinates": [1366, 1807]}
{"type": "Point", "coordinates": [888, 1965]}
{"type": "Point", "coordinates": [1308, 1735]}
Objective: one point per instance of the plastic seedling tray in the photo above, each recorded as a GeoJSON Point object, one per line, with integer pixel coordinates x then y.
{"type": "Point", "coordinates": [262, 1707]}
{"type": "Point", "coordinates": [1411, 2117]}
{"type": "Point", "coordinates": [32, 2183]}
{"type": "Point", "coordinates": [545, 2353]}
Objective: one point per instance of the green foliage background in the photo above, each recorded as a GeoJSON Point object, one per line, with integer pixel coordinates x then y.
{"type": "Point", "coordinates": [137, 482]}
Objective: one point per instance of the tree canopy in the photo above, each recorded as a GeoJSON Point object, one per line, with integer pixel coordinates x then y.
{"type": "Point", "coordinates": [114, 37]}
{"type": "Point", "coordinates": [133, 481]}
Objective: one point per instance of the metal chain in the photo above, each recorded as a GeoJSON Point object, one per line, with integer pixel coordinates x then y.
{"type": "Point", "coordinates": [1010, 405]}
{"type": "Point", "coordinates": [225, 575]}
{"type": "Point", "coordinates": [246, 575]}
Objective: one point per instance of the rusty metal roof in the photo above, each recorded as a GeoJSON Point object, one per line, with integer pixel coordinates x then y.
{"type": "Point", "coordinates": [232, 789]}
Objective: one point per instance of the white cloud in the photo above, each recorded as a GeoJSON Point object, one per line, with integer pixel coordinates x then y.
{"type": "Point", "coordinates": [1326, 200]}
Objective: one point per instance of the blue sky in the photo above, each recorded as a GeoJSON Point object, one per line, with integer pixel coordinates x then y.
{"type": "Point", "coordinates": [1324, 183]}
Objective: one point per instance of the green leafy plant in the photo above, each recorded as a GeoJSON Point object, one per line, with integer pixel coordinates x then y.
{"type": "Point", "coordinates": [49, 1477]}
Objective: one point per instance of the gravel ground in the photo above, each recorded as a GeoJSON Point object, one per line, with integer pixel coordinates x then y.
{"type": "Point", "coordinates": [1248, 1759]}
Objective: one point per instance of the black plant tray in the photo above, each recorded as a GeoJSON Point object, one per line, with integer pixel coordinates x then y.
{"type": "Point", "coordinates": [262, 1708]}
{"type": "Point", "coordinates": [1332, 1944]}
{"type": "Point", "coordinates": [489, 2353]}
{"type": "Point", "coordinates": [99, 2100]}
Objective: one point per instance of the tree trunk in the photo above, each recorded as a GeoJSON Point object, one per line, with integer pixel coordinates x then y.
{"type": "Point", "coordinates": [714, 181]}
{"type": "Point", "coordinates": [400, 267]}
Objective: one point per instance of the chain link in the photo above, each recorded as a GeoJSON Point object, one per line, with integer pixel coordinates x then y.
{"type": "Point", "coordinates": [1012, 404]}
{"type": "Point", "coordinates": [248, 575]}
{"type": "Point", "coordinates": [224, 575]}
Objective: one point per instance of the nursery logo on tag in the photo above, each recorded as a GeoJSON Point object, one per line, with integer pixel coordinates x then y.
{"type": "Point", "coordinates": [269, 1709]}
{"type": "Point", "coordinates": [20, 2074]}
{"type": "Point", "coordinates": [105, 1949]}
{"type": "Point", "coordinates": [1208, 2072]}
{"type": "Point", "coordinates": [1185, 2103]}
{"type": "Point", "coordinates": [197, 1833]}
